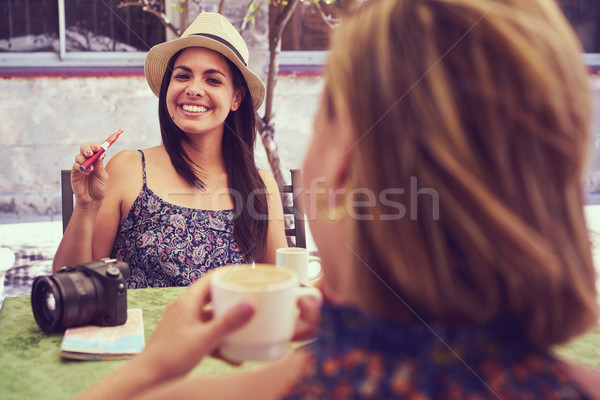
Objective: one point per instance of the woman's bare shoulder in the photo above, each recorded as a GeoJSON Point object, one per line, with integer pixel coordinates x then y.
{"type": "Point", "coordinates": [156, 150]}
{"type": "Point", "coordinates": [124, 158]}
{"type": "Point", "coordinates": [130, 158]}
{"type": "Point", "coordinates": [125, 167]}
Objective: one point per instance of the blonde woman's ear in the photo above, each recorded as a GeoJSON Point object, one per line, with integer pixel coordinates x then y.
{"type": "Point", "coordinates": [345, 144]}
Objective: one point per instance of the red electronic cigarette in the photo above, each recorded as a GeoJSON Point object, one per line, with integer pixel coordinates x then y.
{"type": "Point", "coordinates": [111, 139]}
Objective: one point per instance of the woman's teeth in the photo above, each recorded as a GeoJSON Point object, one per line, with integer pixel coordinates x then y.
{"type": "Point", "coordinates": [194, 109]}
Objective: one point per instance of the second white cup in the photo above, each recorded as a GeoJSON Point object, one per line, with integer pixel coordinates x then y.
{"type": "Point", "coordinates": [306, 266]}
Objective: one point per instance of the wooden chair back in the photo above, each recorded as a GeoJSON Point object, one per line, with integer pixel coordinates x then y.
{"type": "Point", "coordinates": [296, 209]}
{"type": "Point", "coordinates": [66, 197]}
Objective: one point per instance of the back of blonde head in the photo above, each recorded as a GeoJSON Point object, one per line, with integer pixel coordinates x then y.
{"type": "Point", "coordinates": [486, 103]}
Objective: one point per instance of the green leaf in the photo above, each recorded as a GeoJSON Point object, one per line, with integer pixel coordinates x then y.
{"type": "Point", "coordinates": [177, 7]}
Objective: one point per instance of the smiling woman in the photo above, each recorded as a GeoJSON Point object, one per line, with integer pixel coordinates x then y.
{"type": "Point", "coordinates": [198, 201]}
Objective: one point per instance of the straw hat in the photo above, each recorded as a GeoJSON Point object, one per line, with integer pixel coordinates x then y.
{"type": "Point", "coordinates": [213, 31]}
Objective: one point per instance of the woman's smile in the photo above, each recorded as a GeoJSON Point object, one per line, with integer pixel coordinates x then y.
{"type": "Point", "coordinates": [194, 109]}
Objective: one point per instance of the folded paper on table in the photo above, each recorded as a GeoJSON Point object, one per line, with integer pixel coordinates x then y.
{"type": "Point", "coordinates": [105, 342]}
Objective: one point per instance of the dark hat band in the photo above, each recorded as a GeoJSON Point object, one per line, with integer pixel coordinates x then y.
{"type": "Point", "coordinates": [225, 42]}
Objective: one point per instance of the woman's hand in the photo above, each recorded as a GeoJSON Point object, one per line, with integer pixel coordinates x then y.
{"type": "Point", "coordinates": [187, 332]}
{"type": "Point", "coordinates": [309, 318]}
{"type": "Point", "coordinates": [90, 186]}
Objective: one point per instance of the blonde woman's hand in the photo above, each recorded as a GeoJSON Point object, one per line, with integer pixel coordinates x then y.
{"type": "Point", "coordinates": [187, 332]}
{"type": "Point", "coordinates": [309, 318]}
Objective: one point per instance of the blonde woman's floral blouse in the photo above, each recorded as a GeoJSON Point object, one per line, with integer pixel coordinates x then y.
{"type": "Point", "coordinates": [358, 356]}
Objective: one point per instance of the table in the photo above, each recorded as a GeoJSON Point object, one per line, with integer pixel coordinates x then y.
{"type": "Point", "coordinates": [30, 364]}
{"type": "Point", "coordinates": [31, 367]}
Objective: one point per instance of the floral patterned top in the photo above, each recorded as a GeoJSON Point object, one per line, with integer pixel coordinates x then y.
{"type": "Point", "coordinates": [169, 245]}
{"type": "Point", "coordinates": [358, 356]}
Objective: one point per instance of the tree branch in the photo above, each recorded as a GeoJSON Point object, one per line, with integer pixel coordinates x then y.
{"type": "Point", "coordinates": [246, 19]}
{"type": "Point", "coordinates": [284, 17]}
{"type": "Point", "coordinates": [221, 6]}
{"type": "Point", "coordinates": [146, 7]}
{"type": "Point", "coordinates": [331, 22]}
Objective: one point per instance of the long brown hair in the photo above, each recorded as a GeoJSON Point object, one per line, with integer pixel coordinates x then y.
{"type": "Point", "coordinates": [484, 103]}
{"type": "Point", "coordinates": [245, 182]}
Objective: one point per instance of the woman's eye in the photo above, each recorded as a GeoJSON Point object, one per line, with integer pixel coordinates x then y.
{"type": "Point", "coordinates": [182, 76]}
{"type": "Point", "coordinates": [214, 81]}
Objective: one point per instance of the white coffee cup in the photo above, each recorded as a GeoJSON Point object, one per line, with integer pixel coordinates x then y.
{"type": "Point", "coordinates": [306, 266]}
{"type": "Point", "coordinates": [273, 294]}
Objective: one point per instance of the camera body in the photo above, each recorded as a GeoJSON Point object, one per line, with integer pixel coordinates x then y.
{"type": "Point", "coordinates": [93, 293]}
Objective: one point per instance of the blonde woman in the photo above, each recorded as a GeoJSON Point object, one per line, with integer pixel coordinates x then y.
{"type": "Point", "coordinates": [451, 143]}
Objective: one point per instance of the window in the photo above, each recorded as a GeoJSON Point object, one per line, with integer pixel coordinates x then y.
{"type": "Point", "coordinates": [98, 25]}
{"type": "Point", "coordinates": [78, 32]}
{"type": "Point", "coordinates": [306, 36]}
{"type": "Point", "coordinates": [308, 29]}
{"type": "Point", "coordinates": [27, 26]}
{"type": "Point", "coordinates": [584, 16]}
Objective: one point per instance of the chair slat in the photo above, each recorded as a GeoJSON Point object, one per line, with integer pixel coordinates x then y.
{"type": "Point", "coordinates": [286, 189]}
{"type": "Point", "coordinates": [66, 197]}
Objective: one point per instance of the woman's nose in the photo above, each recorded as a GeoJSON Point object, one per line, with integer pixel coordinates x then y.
{"type": "Point", "coordinates": [195, 89]}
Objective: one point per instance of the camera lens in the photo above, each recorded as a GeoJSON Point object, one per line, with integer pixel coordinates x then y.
{"type": "Point", "coordinates": [63, 300]}
{"type": "Point", "coordinates": [46, 303]}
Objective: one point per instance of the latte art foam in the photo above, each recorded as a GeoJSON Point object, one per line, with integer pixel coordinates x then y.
{"type": "Point", "coordinates": [252, 278]}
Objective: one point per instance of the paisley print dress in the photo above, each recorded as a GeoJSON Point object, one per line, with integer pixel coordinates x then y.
{"type": "Point", "coordinates": [170, 245]}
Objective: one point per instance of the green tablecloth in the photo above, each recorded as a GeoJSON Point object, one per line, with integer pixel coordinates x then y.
{"type": "Point", "coordinates": [30, 364]}
{"type": "Point", "coordinates": [31, 367]}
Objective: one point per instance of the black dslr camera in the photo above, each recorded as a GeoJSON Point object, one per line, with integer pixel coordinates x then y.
{"type": "Point", "coordinates": [92, 293]}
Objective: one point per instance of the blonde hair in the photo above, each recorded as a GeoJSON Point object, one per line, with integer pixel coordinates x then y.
{"type": "Point", "coordinates": [486, 103]}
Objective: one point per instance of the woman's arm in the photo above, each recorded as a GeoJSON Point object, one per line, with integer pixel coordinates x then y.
{"type": "Point", "coordinates": [96, 216]}
{"type": "Point", "coordinates": [89, 189]}
{"type": "Point", "coordinates": [276, 233]}
{"type": "Point", "coordinates": [268, 382]}
{"type": "Point", "coordinates": [186, 333]}
{"type": "Point", "coordinates": [182, 338]}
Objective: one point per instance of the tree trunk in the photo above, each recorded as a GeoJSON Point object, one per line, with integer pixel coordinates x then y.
{"type": "Point", "coordinates": [266, 126]}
